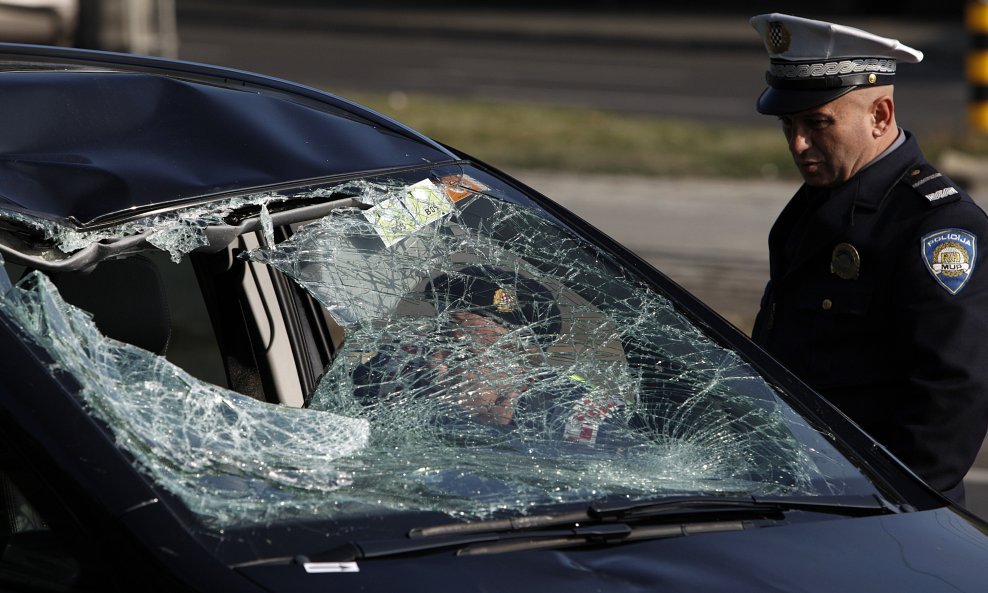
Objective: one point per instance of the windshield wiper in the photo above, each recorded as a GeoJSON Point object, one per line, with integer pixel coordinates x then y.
{"type": "Point", "coordinates": [393, 547]}
{"type": "Point", "coordinates": [496, 542]}
{"type": "Point", "coordinates": [538, 541]}
{"type": "Point", "coordinates": [509, 524]}
{"type": "Point", "coordinates": [851, 506]}
{"type": "Point", "coordinates": [608, 523]}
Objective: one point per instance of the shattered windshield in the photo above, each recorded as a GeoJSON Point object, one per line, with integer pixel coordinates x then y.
{"type": "Point", "coordinates": [494, 361]}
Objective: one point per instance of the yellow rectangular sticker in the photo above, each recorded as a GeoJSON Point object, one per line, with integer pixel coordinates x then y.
{"type": "Point", "coordinates": [397, 218]}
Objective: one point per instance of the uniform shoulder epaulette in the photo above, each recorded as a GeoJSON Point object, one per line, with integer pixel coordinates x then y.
{"type": "Point", "coordinates": [933, 185]}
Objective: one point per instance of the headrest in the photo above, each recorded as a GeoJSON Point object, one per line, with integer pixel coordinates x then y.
{"type": "Point", "coordinates": [126, 298]}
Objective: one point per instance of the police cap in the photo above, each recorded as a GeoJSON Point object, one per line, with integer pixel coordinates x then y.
{"type": "Point", "coordinates": [814, 62]}
{"type": "Point", "coordinates": [498, 294]}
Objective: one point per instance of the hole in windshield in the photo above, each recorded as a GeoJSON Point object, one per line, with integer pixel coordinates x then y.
{"type": "Point", "coordinates": [493, 361]}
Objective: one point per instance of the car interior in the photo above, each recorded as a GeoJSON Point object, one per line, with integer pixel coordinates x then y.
{"type": "Point", "coordinates": [176, 310]}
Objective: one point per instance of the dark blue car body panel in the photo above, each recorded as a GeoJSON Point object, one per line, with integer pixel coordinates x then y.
{"type": "Point", "coordinates": [924, 551]}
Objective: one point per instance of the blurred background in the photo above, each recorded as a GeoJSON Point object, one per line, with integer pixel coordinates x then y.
{"type": "Point", "coordinates": [639, 116]}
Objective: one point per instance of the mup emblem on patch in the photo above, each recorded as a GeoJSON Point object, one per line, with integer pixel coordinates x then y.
{"type": "Point", "coordinates": [949, 254]}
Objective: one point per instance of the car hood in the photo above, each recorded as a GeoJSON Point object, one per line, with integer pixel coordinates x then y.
{"type": "Point", "coordinates": [925, 551]}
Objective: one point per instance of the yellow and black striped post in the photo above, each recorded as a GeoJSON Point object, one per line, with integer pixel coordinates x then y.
{"type": "Point", "coordinates": [976, 19]}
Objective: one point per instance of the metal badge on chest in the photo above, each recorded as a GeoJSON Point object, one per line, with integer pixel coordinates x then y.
{"type": "Point", "coordinates": [845, 261]}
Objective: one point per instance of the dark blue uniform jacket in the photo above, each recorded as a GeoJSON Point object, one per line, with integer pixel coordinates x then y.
{"type": "Point", "coordinates": [878, 298]}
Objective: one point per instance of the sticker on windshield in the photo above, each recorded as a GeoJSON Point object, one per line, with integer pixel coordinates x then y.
{"type": "Point", "coordinates": [461, 186]}
{"type": "Point", "coordinates": [395, 219]}
{"type": "Point", "coordinates": [325, 567]}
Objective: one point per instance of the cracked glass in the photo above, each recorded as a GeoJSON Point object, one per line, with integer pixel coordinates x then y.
{"type": "Point", "coordinates": [503, 363]}
{"type": "Point", "coordinates": [494, 360]}
{"type": "Point", "coordinates": [229, 458]}
{"type": "Point", "coordinates": [177, 232]}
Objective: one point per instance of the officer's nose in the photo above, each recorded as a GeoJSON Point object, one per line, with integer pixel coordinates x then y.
{"type": "Point", "coordinates": [799, 142]}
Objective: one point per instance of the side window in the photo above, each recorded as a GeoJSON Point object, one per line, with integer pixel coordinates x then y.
{"type": "Point", "coordinates": [192, 345]}
{"type": "Point", "coordinates": [231, 323]}
{"type": "Point", "coordinates": [18, 515]}
{"type": "Point", "coordinates": [34, 556]}
{"type": "Point", "coordinates": [273, 337]}
{"type": "Point", "coordinates": [52, 537]}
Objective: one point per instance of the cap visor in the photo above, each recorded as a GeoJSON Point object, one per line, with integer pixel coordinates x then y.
{"type": "Point", "coordinates": [781, 101]}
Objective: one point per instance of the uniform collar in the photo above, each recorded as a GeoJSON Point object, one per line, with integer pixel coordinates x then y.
{"type": "Point", "coordinates": [872, 184]}
{"type": "Point", "coordinates": [843, 213]}
{"type": "Point", "coordinates": [900, 139]}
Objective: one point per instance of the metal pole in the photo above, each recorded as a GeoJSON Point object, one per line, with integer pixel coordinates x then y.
{"type": "Point", "coordinates": [167, 29]}
{"type": "Point", "coordinates": [976, 19]}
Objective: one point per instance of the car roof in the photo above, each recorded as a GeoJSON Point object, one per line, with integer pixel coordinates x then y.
{"type": "Point", "coordinates": [93, 136]}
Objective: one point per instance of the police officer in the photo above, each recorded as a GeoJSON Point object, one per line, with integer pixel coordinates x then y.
{"type": "Point", "coordinates": [877, 297]}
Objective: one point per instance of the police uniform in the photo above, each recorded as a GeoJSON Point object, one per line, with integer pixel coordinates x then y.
{"type": "Point", "coordinates": [878, 291]}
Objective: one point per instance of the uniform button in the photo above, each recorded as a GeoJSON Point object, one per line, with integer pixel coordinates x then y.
{"type": "Point", "coordinates": [827, 304]}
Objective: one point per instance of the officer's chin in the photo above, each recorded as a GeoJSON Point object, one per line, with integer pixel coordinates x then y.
{"type": "Point", "coordinates": [814, 176]}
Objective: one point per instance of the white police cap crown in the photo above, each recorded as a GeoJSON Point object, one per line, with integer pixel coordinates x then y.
{"type": "Point", "coordinates": [814, 62]}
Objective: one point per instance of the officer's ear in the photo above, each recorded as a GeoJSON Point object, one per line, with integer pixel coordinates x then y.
{"type": "Point", "coordinates": [883, 115]}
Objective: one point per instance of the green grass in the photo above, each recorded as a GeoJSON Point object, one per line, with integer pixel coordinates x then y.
{"type": "Point", "coordinates": [533, 136]}
{"type": "Point", "coordinates": [514, 135]}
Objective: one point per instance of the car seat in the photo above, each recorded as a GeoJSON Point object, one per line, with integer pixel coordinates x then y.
{"type": "Point", "coordinates": [126, 298]}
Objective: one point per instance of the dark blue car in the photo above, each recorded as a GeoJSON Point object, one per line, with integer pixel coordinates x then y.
{"type": "Point", "coordinates": [255, 337]}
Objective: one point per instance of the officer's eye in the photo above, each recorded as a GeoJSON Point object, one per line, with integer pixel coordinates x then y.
{"type": "Point", "coordinates": [786, 125]}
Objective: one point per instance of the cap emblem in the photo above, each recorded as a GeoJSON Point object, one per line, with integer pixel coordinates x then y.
{"type": "Point", "coordinates": [777, 38]}
{"type": "Point", "coordinates": [505, 301]}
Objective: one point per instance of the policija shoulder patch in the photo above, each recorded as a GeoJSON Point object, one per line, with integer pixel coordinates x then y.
{"type": "Point", "coordinates": [949, 254]}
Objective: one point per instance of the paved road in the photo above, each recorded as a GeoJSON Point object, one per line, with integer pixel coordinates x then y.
{"type": "Point", "coordinates": [704, 66]}
{"type": "Point", "coordinates": [708, 235]}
